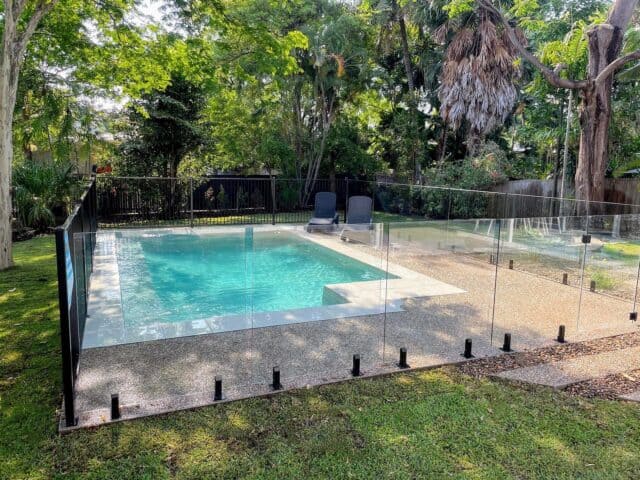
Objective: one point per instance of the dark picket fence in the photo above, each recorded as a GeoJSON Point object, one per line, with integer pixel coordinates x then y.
{"type": "Point", "coordinates": [154, 201]}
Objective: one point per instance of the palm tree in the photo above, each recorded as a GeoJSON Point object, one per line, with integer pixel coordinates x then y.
{"type": "Point", "coordinates": [478, 79]}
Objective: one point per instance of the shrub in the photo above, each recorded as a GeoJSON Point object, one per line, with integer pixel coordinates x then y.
{"type": "Point", "coordinates": [480, 172]}
{"type": "Point", "coordinates": [604, 280]}
{"type": "Point", "coordinates": [44, 192]}
{"type": "Point", "coordinates": [222, 199]}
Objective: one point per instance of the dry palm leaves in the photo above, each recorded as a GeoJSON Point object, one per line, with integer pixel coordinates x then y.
{"type": "Point", "coordinates": [477, 83]}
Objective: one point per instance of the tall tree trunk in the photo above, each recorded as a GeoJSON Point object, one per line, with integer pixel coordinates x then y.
{"type": "Point", "coordinates": [14, 44]}
{"type": "Point", "coordinates": [406, 54]}
{"type": "Point", "coordinates": [408, 69]}
{"type": "Point", "coordinates": [605, 42]}
{"type": "Point", "coordinates": [8, 92]}
{"type": "Point", "coordinates": [6, 157]}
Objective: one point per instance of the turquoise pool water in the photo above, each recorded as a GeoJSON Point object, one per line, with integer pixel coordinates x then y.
{"type": "Point", "coordinates": [173, 278]}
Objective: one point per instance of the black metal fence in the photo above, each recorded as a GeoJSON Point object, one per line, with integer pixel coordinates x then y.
{"type": "Point", "coordinates": [75, 263]}
{"type": "Point", "coordinates": [140, 201]}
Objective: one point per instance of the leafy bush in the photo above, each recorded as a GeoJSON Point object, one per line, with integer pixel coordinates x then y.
{"type": "Point", "coordinates": [44, 192]}
{"type": "Point", "coordinates": [287, 194]}
{"type": "Point", "coordinates": [604, 280]}
{"type": "Point", "coordinates": [222, 198]}
{"type": "Point", "coordinates": [475, 173]}
{"type": "Point", "coordinates": [480, 172]}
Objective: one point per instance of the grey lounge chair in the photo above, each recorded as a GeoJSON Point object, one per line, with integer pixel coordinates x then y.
{"type": "Point", "coordinates": [359, 215]}
{"type": "Point", "coordinates": [324, 214]}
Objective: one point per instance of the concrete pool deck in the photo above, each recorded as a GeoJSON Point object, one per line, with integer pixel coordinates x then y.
{"type": "Point", "coordinates": [166, 375]}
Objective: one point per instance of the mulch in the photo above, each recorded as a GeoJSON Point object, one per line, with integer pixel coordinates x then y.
{"type": "Point", "coordinates": [609, 387]}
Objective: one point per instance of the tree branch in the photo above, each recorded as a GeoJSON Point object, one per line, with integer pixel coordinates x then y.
{"type": "Point", "coordinates": [615, 65]}
{"type": "Point", "coordinates": [552, 77]}
{"type": "Point", "coordinates": [42, 9]}
{"type": "Point", "coordinates": [18, 7]}
{"type": "Point", "coordinates": [9, 18]}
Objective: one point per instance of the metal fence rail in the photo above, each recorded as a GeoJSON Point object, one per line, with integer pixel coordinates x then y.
{"type": "Point", "coordinates": [75, 263]}
{"type": "Point", "coordinates": [158, 201]}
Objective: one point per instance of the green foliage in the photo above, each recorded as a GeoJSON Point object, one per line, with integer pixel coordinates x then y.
{"type": "Point", "coordinates": [480, 172]}
{"type": "Point", "coordinates": [624, 250]}
{"type": "Point", "coordinates": [83, 54]}
{"type": "Point", "coordinates": [44, 192]}
{"type": "Point", "coordinates": [476, 173]}
{"type": "Point", "coordinates": [282, 85]}
{"type": "Point", "coordinates": [456, 8]}
{"type": "Point", "coordinates": [164, 127]}
{"type": "Point", "coordinates": [222, 199]}
{"type": "Point", "coordinates": [604, 280]}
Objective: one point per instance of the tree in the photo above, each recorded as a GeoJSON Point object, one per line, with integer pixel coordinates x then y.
{"type": "Point", "coordinates": [605, 41]}
{"type": "Point", "coordinates": [97, 47]}
{"type": "Point", "coordinates": [165, 126]}
{"type": "Point", "coordinates": [333, 71]}
{"type": "Point", "coordinates": [478, 77]}
{"type": "Point", "coordinates": [396, 19]}
{"type": "Point", "coordinates": [20, 22]}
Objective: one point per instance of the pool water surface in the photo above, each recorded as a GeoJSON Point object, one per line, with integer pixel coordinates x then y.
{"type": "Point", "coordinates": [171, 278]}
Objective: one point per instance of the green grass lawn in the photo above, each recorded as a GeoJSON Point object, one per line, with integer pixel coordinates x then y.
{"type": "Point", "coordinates": [624, 250]}
{"type": "Point", "coordinates": [435, 424]}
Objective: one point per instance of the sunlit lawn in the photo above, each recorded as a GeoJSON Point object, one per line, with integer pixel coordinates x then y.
{"type": "Point", "coordinates": [434, 424]}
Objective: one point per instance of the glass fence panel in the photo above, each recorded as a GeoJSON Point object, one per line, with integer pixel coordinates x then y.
{"type": "Point", "coordinates": [443, 288]}
{"type": "Point", "coordinates": [168, 312]}
{"type": "Point", "coordinates": [610, 275]}
{"type": "Point", "coordinates": [401, 202]}
{"type": "Point", "coordinates": [317, 300]}
{"type": "Point", "coordinates": [538, 279]}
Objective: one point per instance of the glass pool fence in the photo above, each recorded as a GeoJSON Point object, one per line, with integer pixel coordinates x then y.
{"type": "Point", "coordinates": [179, 312]}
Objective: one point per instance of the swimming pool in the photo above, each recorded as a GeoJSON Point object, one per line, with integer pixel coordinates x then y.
{"type": "Point", "coordinates": [169, 278]}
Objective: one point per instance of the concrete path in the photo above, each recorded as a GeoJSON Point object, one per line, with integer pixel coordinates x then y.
{"type": "Point", "coordinates": [563, 373]}
{"type": "Point", "coordinates": [633, 396]}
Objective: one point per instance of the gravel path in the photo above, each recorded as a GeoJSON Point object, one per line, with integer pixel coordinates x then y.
{"type": "Point", "coordinates": [576, 370]}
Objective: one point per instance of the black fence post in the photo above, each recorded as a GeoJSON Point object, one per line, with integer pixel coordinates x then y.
{"type": "Point", "coordinates": [468, 345]}
{"type": "Point", "coordinates": [115, 406]}
{"type": "Point", "coordinates": [355, 371]}
{"type": "Point", "coordinates": [346, 198]}
{"type": "Point", "coordinates": [217, 396]}
{"type": "Point", "coordinates": [273, 200]}
{"type": "Point", "coordinates": [68, 369]}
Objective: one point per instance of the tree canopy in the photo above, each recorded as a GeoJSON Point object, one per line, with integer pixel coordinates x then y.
{"type": "Point", "coordinates": [309, 89]}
